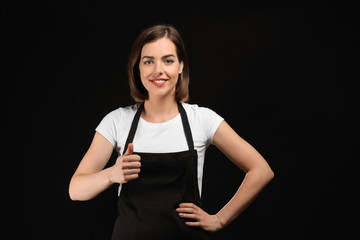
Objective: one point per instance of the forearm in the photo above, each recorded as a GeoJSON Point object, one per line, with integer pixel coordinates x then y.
{"type": "Point", "coordinates": [87, 186]}
{"type": "Point", "coordinates": [254, 181]}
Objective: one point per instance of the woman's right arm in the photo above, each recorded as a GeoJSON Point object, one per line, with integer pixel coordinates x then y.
{"type": "Point", "coordinates": [90, 178]}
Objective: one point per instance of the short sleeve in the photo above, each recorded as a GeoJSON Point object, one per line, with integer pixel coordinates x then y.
{"type": "Point", "coordinates": [107, 128]}
{"type": "Point", "coordinates": [210, 122]}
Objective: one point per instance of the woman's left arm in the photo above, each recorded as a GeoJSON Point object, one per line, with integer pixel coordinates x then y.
{"type": "Point", "coordinates": [258, 175]}
{"type": "Point", "coordinates": [258, 172]}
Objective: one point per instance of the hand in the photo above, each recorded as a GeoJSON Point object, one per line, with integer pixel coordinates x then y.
{"type": "Point", "coordinates": [202, 219]}
{"type": "Point", "coordinates": [126, 168]}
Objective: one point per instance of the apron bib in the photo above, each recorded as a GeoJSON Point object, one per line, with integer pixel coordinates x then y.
{"type": "Point", "coordinates": [146, 206]}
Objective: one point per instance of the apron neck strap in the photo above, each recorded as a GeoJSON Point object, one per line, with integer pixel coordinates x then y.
{"type": "Point", "coordinates": [184, 120]}
{"type": "Point", "coordinates": [133, 127]}
{"type": "Point", "coordinates": [186, 127]}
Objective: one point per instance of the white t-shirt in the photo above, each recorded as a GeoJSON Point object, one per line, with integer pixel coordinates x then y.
{"type": "Point", "coordinates": [162, 137]}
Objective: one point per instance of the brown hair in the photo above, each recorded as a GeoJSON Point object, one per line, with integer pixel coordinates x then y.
{"type": "Point", "coordinates": [137, 90]}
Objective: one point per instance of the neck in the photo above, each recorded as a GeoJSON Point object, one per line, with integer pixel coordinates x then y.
{"type": "Point", "coordinates": [159, 110]}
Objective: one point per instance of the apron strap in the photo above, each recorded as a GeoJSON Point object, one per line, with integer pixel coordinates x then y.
{"type": "Point", "coordinates": [184, 120]}
{"type": "Point", "coordinates": [186, 126]}
{"type": "Point", "coordinates": [134, 124]}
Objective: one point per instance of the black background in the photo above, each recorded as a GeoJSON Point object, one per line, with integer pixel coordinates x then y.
{"type": "Point", "coordinates": [281, 74]}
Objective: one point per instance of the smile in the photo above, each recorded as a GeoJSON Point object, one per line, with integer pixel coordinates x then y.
{"type": "Point", "coordinates": [159, 81]}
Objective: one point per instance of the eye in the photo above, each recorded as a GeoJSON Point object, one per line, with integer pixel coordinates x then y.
{"type": "Point", "coordinates": [147, 62]}
{"type": "Point", "coordinates": [169, 61]}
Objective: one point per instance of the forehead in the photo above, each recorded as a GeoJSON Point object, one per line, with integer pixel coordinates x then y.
{"type": "Point", "coordinates": [158, 48]}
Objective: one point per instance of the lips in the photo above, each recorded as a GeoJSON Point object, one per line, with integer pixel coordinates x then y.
{"type": "Point", "coordinates": [159, 81]}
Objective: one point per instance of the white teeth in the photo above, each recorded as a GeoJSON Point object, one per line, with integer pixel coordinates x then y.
{"type": "Point", "coordinates": [159, 81]}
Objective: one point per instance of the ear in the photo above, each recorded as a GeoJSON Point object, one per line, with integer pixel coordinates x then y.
{"type": "Point", "coordinates": [181, 66]}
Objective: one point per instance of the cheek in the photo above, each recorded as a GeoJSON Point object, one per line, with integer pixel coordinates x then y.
{"type": "Point", "coordinates": [145, 73]}
{"type": "Point", "coordinates": [173, 72]}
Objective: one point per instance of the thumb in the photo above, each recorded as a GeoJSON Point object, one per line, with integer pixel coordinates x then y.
{"type": "Point", "coordinates": [130, 149]}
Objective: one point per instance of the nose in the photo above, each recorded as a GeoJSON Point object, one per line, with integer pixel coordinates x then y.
{"type": "Point", "coordinates": [158, 70]}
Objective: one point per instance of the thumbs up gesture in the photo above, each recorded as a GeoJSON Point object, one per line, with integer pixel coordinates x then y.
{"type": "Point", "coordinates": [126, 168]}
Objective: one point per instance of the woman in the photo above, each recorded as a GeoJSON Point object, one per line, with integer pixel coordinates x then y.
{"type": "Point", "coordinates": [163, 142]}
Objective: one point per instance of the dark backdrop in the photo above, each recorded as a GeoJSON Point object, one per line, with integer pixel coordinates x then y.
{"type": "Point", "coordinates": [282, 74]}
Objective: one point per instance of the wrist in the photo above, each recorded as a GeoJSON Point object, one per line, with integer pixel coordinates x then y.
{"type": "Point", "coordinates": [108, 173]}
{"type": "Point", "coordinates": [220, 221]}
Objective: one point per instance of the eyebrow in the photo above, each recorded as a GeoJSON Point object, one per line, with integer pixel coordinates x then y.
{"type": "Point", "coordinates": [166, 56]}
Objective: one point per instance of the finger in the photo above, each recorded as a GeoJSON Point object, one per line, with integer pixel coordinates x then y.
{"type": "Point", "coordinates": [131, 171]}
{"type": "Point", "coordinates": [131, 165]}
{"type": "Point", "coordinates": [131, 177]}
{"type": "Point", "coordinates": [193, 224]}
{"type": "Point", "coordinates": [189, 216]}
{"type": "Point", "coordinates": [185, 210]}
{"type": "Point", "coordinates": [131, 158]}
{"type": "Point", "coordinates": [188, 205]}
{"type": "Point", "coordinates": [130, 149]}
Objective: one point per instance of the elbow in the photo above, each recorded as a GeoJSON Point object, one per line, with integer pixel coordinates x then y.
{"type": "Point", "coordinates": [74, 194]}
{"type": "Point", "coordinates": [269, 174]}
{"type": "Point", "coordinates": [265, 173]}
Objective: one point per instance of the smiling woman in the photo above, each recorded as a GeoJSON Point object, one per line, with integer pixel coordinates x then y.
{"type": "Point", "coordinates": [160, 68]}
{"type": "Point", "coordinates": [173, 55]}
{"type": "Point", "coordinates": [162, 142]}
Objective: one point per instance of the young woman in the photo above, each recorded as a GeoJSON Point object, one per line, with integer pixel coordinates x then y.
{"type": "Point", "coordinates": [161, 143]}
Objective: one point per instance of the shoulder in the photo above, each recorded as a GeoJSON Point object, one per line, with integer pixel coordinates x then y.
{"type": "Point", "coordinates": [122, 113]}
{"type": "Point", "coordinates": [195, 111]}
{"type": "Point", "coordinates": [192, 108]}
{"type": "Point", "coordinates": [117, 118]}
{"type": "Point", "coordinates": [115, 123]}
{"type": "Point", "coordinates": [203, 120]}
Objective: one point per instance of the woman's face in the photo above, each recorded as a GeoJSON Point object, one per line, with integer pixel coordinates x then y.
{"type": "Point", "coordinates": [159, 68]}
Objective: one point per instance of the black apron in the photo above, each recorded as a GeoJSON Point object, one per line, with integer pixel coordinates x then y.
{"type": "Point", "coordinates": [147, 204]}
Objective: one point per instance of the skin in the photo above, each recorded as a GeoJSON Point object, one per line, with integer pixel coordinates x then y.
{"type": "Point", "coordinates": [158, 60]}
